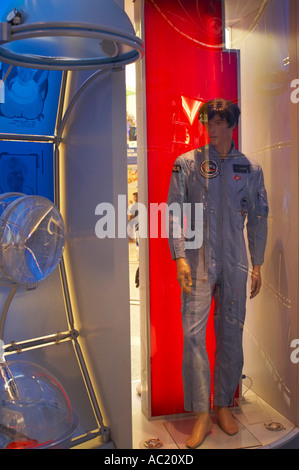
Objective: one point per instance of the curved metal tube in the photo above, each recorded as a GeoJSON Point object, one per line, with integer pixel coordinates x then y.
{"type": "Point", "coordinates": [88, 81]}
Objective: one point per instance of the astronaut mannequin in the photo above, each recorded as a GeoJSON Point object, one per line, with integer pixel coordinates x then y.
{"type": "Point", "coordinates": [231, 188]}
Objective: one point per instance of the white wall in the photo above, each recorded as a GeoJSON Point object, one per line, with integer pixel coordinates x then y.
{"type": "Point", "coordinates": [267, 136]}
{"type": "Point", "coordinates": [94, 170]}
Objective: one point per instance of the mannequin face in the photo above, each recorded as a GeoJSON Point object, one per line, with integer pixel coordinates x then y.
{"type": "Point", "coordinates": [220, 134]}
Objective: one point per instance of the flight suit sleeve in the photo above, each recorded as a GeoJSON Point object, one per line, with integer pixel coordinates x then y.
{"type": "Point", "coordinates": [175, 201]}
{"type": "Point", "coordinates": [257, 223]}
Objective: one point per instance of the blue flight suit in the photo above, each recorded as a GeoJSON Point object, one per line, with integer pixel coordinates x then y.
{"type": "Point", "coordinates": [231, 190]}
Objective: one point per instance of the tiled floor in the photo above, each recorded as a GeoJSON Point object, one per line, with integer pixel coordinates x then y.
{"type": "Point", "coordinates": [251, 412]}
{"type": "Point", "coordinates": [251, 416]}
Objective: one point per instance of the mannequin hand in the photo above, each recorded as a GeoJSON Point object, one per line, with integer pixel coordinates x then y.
{"type": "Point", "coordinates": [184, 275]}
{"type": "Point", "coordinates": [256, 281]}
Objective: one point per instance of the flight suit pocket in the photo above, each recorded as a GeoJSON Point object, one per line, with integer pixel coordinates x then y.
{"type": "Point", "coordinates": [230, 318]}
{"type": "Point", "coordinates": [242, 208]}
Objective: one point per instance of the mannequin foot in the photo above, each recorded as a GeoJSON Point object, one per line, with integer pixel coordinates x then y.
{"type": "Point", "coordinates": [226, 420]}
{"type": "Point", "coordinates": [201, 427]}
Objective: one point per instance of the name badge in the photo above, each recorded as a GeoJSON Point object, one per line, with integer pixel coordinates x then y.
{"type": "Point", "coordinates": [241, 168]}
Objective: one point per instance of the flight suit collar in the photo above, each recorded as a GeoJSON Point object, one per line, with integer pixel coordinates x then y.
{"type": "Point", "coordinates": [231, 154]}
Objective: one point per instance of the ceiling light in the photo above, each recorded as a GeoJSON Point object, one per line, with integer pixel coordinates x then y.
{"type": "Point", "coordinates": [67, 34]}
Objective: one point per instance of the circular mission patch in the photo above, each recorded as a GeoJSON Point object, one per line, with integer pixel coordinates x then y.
{"type": "Point", "coordinates": [209, 169]}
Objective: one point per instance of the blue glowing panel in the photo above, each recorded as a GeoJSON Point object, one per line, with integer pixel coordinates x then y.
{"type": "Point", "coordinates": [28, 100]}
{"type": "Point", "coordinates": [27, 168]}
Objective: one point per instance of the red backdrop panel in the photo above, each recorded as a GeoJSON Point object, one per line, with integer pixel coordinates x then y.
{"type": "Point", "coordinates": [185, 66]}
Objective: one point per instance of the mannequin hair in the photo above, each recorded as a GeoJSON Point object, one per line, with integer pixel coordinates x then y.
{"type": "Point", "coordinates": [224, 108]}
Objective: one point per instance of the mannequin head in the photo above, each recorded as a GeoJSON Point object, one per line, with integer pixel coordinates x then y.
{"type": "Point", "coordinates": [221, 118]}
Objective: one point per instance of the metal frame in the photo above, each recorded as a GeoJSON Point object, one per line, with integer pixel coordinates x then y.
{"type": "Point", "coordinates": [71, 335]}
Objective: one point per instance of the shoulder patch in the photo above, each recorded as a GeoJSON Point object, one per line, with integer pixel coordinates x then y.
{"type": "Point", "coordinates": [176, 168]}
